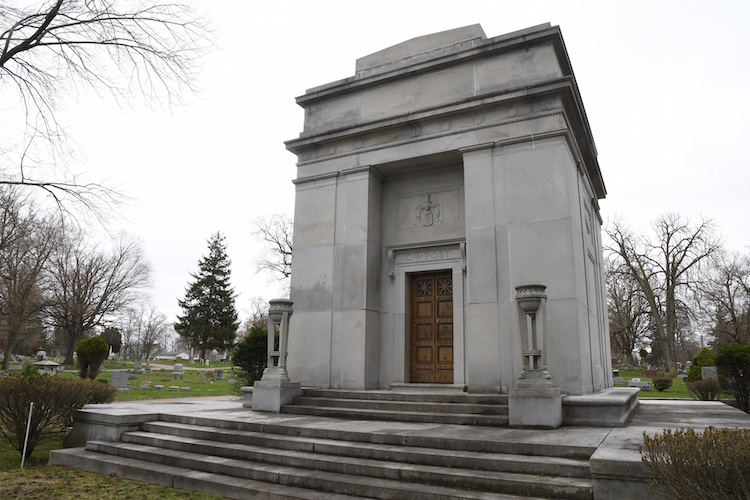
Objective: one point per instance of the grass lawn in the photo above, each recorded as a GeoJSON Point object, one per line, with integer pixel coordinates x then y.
{"type": "Point", "coordinates": [200, 386]}
{"type": "Point", "coordinates": [39, 480]}
{"type": "Point", "coordinates": [676, 391]}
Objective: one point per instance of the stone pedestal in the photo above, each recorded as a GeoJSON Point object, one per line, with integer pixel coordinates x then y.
{"type": "Point", "coordinates": [535, 401]}
{"type": "Point", "coordinates": [270, 395]}
{"type": "Point", "coordinates": [275, 389]}
{"type": "Point", "coordinates": [538, 407]}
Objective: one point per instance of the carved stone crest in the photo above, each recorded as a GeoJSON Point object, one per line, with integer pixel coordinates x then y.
{"type": "Point", "coordinates": [428, 212]}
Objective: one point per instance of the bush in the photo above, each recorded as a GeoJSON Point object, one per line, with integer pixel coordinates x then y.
{"type": "Point", "coordinates": [662, 383]}
{"type": "Point", "coordinates": [251, 355]}
{"type": "Point", "coordinates": [55, 400]}
{"type": "Point", "coordinates": [705, 357]}
{"type": "Point", "coordinates": [704, 390]}
{"type": "Point", "coordinates": [733, 362]}
{"type": "Point", "coordinates": [687, 464]}
{"type": "Point", "coordinates": [91, 354]}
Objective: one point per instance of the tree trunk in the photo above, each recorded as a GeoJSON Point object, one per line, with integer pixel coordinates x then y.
{"type": "Point", "coordinates": [71, 348]}
{"type": "Point", "coordinates": [7, 353]}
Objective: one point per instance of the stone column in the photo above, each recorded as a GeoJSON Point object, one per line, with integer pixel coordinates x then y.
{"type": "Point", "coordinates": [275, 389]}
{"type": "Point", "coordinates": [534, 401]}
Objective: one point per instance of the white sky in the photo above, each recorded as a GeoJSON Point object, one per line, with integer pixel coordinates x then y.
{"type": "Point", "coordinates": [666, 86]}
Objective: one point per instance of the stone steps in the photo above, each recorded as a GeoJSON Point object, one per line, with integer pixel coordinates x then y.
{"type": "Point", "coordinates": [237, 454]}
{"type": "Point", "coordinates": [542, 465]}
{"type": "Point", "coordinates": [446, 407]}
{"type": "Point", "coordinates": [184, 478]}
{"type": "Point", "coordinates": [339, 467]}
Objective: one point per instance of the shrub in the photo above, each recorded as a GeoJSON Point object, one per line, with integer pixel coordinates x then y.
{"type": "Point", "coordinates": [662, 383]}
{"type": "Point", "coordinates": [91, 354]}
{"type": "Point", "coordinates": [55, 400]}
{"type": "Point", "coordinates": [704, 390]}
{"type": "Point", "coordinates": [733, 362]}
{"type": "Point", "coordinates": [705, 357]}
{"type": "Point", "coordinates": [251, 355]}
{"type": "Point", "coordinates": [714, 464]}
{"type": "Point", "coordinates": [28, 369]}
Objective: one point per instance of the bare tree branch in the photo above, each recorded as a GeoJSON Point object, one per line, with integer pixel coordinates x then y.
{"type": "Point", "coordinates": [276, 231]}
{"type": "Point", "coordinates": [124, 49]}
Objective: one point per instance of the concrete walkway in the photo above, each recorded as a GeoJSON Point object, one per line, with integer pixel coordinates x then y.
{"type": "Point", "coordinates": [616, 465]}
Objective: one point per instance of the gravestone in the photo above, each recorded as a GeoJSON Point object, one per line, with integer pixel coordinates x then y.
{"type": "Point", "coordinates": [137, 367]}
{"type": "Point", "coordinates": [652, 373]}
{"type": "Point", "coordinates": [219, 374]}
{"type": "Point", "coordinates": [618, 381]}
{"type": "Point", "coordinates": [146, 384]}
{"type": "Point", "coordinates": [636, 382]}
{"type": "Point", "coordinates": [120, 380]}
{"type": "Point", "coordinates": [709, 373]}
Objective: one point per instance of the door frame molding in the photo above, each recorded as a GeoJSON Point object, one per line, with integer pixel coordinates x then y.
{"type": "Point", "coordinates": [420, 258]}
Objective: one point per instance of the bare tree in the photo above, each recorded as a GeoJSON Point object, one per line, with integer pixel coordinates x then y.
{"type": "Point", "coordinates": [670, 262]}
{"type": "Point", "coordinates": [26, 241]}
{"type": "Point", "coordinates": [276, 231]}
{"type": "Point", "coordinates": [726, 298]}
{"type": "Point", "coordinates": [629, 318]}
{"type": "Point", "coordinates": [124, 49]}
{"type": "Point", "coordinates": [89, 286]}
{"type": "Point", "coordinates": [143, 328]}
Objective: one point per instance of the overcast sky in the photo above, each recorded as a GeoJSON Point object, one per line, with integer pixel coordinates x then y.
{"type": "Point", "coordinates": [666, 86]}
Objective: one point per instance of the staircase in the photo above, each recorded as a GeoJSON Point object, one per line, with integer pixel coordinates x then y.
{"type": "Point", "coordinates": [430, 405]}
{"type": "Point", "coordinates": [301, 454]}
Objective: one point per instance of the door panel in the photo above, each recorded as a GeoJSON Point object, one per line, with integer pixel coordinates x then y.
{"type": "Point", "coordinates": [432, 327]}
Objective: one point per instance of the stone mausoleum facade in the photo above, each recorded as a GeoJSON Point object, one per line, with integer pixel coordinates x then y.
{"type": "Point", "coordinates": [448, 170]}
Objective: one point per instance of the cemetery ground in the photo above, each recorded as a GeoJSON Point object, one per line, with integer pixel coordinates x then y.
{"type": "Point", "coordinates": [38, 480]}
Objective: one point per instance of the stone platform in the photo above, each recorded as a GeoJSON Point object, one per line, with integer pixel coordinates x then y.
{"type": "Point", "coordinates": [609, 454]}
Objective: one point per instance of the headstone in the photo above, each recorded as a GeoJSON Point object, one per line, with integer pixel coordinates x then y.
{"type": "Point", "coordinates": [210, 374]}
{"type": "Point", "coordinates": [682, 377]}
{"type": "Point", "coordinates": [137, 367]}
{"type": "Point", "coordinates": [219, 374]}
{"type": "Point", "coordinates": [709, 372]}
{"type": "Point", "coordinates": [158, 387]}
{"type": "Point", "coordinates": [148, 365]}
{"type": "Point", "coordinates": [651, 373]}
{"type": "Point", "coordinates": [184, 389]}
{"type": "Point", "coordinates": [146, 384]}
{"type": "Point", "coordinates": [120, 380]}
{"type": "Point", "coordinates": [178, 369]}
{"type": "Point", "coordinates": [232, 381]}
{"type": "Point", "coordinates": [644, 386]}
{"type": "Point", "coordinates": [173, 388]}
{"type": "Point", "coordinates": [618, 381]}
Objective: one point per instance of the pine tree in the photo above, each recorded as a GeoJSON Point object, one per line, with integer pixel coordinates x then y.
{"type": "Point", "coordinates": [209, 319]}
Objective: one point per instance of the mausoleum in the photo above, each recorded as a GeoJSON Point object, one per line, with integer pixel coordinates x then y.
{"type": "Point", "coordinates": [448, 171]}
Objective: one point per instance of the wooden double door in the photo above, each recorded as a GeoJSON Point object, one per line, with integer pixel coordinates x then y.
{"type": "Point", "coordinates": [432, 327]}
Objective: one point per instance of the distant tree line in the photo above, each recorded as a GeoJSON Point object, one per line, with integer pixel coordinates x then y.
{"type": "Point", "coordinates": [57, 286]}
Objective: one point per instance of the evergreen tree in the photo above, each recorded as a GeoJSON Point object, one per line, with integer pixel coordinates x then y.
{"type": "Point", "coordinates": [209, 319]}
